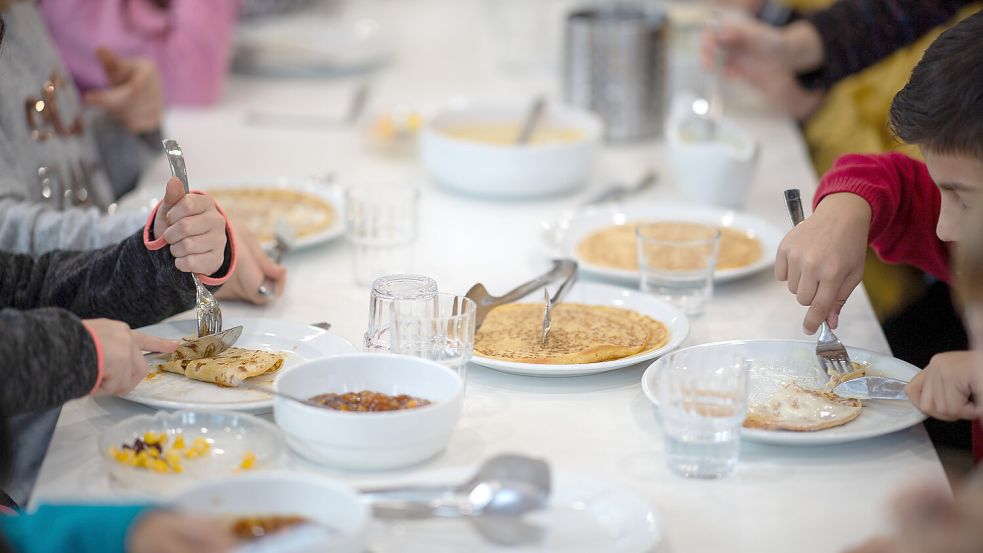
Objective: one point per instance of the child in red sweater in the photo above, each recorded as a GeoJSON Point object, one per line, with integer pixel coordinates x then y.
{"type": "Point", "coordinates": [906, 210]}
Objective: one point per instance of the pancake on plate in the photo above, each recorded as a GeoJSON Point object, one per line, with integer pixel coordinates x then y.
{"type": "Point", "coordinates": [801, 410]}
{"type": "Point", "coordinates": [228, 368]}
{"type": "Point", "coordinates": [579, 334]}
{"type": "Point", "coordinates": [614, 246]}
{"type": "Point", "coordinates": [259, 209]}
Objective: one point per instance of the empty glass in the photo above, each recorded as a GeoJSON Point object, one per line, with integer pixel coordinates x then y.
{"type": "Point", "coordinates": [676, 261]}
{"type": "Point", "coordinates": [385, 292]}
{"type": "Point", "coordinates": [441, 330]}
{"type": "Point", "coordinates": [381, 224]}
{"type": "Point", "coordinates": [702, 395]}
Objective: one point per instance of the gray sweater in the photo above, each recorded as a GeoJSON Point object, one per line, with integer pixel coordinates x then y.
{"type": "Point", "coordinates": [61, 166]}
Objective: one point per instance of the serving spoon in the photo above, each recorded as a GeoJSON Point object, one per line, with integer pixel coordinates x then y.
{"type": "Point", "coordinates": [506, 485]}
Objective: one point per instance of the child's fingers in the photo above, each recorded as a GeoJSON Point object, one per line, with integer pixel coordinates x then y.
{"type": "Point", "coordinates": [200, 263]}
{"type": "Point", "coordinates": [147, 342]}
{"type": "Point", "coordinates": [193, 226]}
{"type": "Point", "coordinates": [914, 389]}
{"type": "Point", "coordinates": [781, 266]}
{"type": "Point", "coordinates": [191, 204]}
{"type": "Point", "coordinates": [195, 245]}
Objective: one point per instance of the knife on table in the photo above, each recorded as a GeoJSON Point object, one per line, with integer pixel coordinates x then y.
{"type": "Point", "coordinates": [200, 348]}
{"type": "Point", "coordinates": [872, 387]}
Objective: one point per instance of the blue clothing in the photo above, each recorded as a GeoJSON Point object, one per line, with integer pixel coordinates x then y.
{"type": "Point", "coordinates": [75, 528]}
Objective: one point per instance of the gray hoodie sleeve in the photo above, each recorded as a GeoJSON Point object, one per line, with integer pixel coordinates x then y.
{"type": "Point", "coordinates": [36, 228]}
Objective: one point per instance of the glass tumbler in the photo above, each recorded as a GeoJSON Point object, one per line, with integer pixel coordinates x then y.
{"type": "Point", "coordinates": [676, 262]}
{"type": "Point", "coordinates": [440, 330]}
{"type": "Point", "coordinates": [381, 224]}
{"type": "Point", "coordinates": [703, 402]}
{"type": "Point", "coordinates": [385, 292]}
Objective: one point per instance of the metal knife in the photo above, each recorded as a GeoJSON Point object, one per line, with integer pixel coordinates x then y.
{"type": "Point", "coordinates": [551, 303]}
{"type": "Point", "coordinates": [200, 348]}
{"type": "Point", "coordinates": [872, 387]}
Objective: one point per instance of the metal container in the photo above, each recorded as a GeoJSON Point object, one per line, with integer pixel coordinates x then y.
{"type": "Point", "coordinates": [616, 66]}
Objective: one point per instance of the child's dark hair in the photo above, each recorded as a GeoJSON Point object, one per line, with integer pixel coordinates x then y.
{"type": "Point", "coordinates": [941, 107]}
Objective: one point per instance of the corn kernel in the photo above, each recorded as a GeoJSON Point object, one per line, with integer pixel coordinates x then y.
{"type": "Point", "coordinates": [179, 442]}
{"type": "Point", "coordinates": [248, 461]}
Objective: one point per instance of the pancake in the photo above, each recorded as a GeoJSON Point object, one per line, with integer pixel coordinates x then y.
{"type": "Point", "coordinates": [800, 410]}
{"type": "Point", "coordinates": [259, 208]}
{"type": "Point", "coordinates": [614, 246]}
{"type": "Point", "coordinates": [579, 334]}
{"type": "Point", "coordinates": [228, 368]}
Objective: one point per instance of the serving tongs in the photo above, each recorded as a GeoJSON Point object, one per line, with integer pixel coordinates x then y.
{"type": "Point", "coordinates": [551, 302]}
{"type": "Point", "coordinates": [562, 269]}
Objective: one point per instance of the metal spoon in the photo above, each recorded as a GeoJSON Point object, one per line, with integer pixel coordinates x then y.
{"type": "Point", "coordinates": [505, 486]}
{"type": "Point", "coordinates": [531, 121]}
{"type": "Point", "coordinates": [257, 388]}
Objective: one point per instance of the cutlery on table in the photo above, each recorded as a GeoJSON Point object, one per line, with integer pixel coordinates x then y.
{"type": "Point", "coordinates": [833, 357]}
{"type": "Point", "coordinates": [552, 301]}
{"type": "Point", "coordinates": [531, 121]}
{"type": "Point", "coordinates": [562, 268]}
{"type": "Point", "coordinates": [285, 238]}
{"type": "Point", "coordinates": [207, 310]}
{"type": "Point", "coordinates": [621, 191]}
{"type": "Point", "coordinates": [323, 325]}
{"type": "Point", "coordinates": [872, 387]}
{"type": "Point", "coordinates": [714, 97]}
{"type": "Point", "coordinates": [356, 105]}
{"type": "Point", "coordinates": [205, 346]}
{"type": "Point", "coordinates": [504, 486]}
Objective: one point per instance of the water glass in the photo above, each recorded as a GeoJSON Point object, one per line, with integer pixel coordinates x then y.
{"type": "Point", "coordinates": [381, 224]}
{"type": "Point", "coordinates": [676, 262]}
{"type": "Point", "coordinates": [386, 291]}
{"type": "Point", "coordinates": [441, 330]}
{"type": "Point", "coordinates": [703, 402]}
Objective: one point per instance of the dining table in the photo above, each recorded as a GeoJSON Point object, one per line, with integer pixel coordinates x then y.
{"type": "Point", "coordinates": [779, 498]}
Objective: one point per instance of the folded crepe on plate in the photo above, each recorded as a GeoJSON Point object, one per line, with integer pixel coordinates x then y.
{"type": "Point", "coordinates": [615, 246]}
{"type": "Point", "coordinates": [801, 410]}
{"type": "Point", "coordinates": [228, 368]}
{"type": "Point", "coordinates": [579, 334]}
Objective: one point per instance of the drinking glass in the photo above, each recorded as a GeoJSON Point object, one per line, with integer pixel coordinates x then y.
{"type": "Point", "coordinates": [386, 291]}
{"type": "Point", "coordinates": [441, 330]}
{"type": "Point", "coordinates": [381, 224]}
{"type": "Point", "coordinates": [676, 262]}
{"type": "Point", "coordinates": [703, 402]}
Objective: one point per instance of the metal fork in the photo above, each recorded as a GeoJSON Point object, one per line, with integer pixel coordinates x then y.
{"type": "Point", "coordinates": [832, 356]}
{"type": "Point", "coordinates": [207, 310]}
{"type": "Point", "coordinates": [284, 237]}
{"type": "Point", "coordinates": [551, 302]}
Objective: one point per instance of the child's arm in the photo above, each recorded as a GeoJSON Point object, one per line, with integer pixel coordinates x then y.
{"type": "Point", "coordinates": [888, 201]}
{"type": "Point", "coordinates": [59, 528]}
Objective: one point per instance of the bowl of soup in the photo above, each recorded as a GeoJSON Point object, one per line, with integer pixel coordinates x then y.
{"type": "Point", "coordinates": [474, 149]}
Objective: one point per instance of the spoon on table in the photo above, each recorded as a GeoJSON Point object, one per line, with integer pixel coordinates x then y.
{"type": "Point", "coordinates": [531, 121]}
{"type": "Point", "coordinates": [506, 485]}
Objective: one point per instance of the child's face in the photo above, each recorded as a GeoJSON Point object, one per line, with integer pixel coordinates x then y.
{"type": "Point", "coordinates": [960, 178]}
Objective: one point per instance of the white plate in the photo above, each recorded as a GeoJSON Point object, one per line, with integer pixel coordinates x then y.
{"type": "Point", "coordinates": [144, 200]}
{"type": "Point", "coordinates": [585, 516]}
{"type": "Point", "coordinates": [603, 294]}
{"type": "Point", "coordinates": [230, 435]}
{"type": "Point", "coordinates": [303, 45]}
{"type": "Point", "coordinates": [173, 391]}
{"type": "Point", "coordinates": [561, 236]}
{"type": "Point", "coordinates": [776, 362]}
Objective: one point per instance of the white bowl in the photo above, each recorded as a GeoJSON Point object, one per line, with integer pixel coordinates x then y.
{"type": "Point", "coordinates": [369, 441]}
{"type": "Point", "coordinates": [317, 499]}
{"type": "Point", "coordinates": [231, 436]}
{"type": "Point", "coordinates": [509, 171]}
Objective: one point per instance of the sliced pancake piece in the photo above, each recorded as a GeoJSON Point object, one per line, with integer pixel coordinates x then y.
{"type": "Point", "coordinates": [228, 368]}
{"type": "Point", "coordinates": [579, 334]}
{"type": "Point", "coordinates": [801, 410]}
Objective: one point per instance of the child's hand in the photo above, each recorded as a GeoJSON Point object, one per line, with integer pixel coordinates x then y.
{"type": "Point", "coordinates": [823, 257]}
{"type": "Point", "coordinates": [950, 387]}
{"type": "Point", "coordinates": [164, 532]}
{"type": "Point", "coordinates": [123, 366]}
{"type": "Point", "coordinates": [135, 97]}
{"type": "Point", "coordinates": [193, 227]}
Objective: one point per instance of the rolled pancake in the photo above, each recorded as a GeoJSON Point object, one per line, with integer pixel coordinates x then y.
{"type": "Point", "coordinates": [228, 368]}
{"type": "Point", "coordinates": [579, 334]}
{"type": "Point", "coordinates": [615, 247]}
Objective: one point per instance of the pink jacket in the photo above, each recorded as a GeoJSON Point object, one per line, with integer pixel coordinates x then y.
{"type": "Point", "coordinates": [190, 41]}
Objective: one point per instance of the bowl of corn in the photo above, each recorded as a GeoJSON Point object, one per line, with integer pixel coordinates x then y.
{"type": "Point", "coordinates": [166, 452]}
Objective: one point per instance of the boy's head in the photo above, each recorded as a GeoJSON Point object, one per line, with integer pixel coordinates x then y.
{"type": "Point", "coordinates": [941, 111]}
